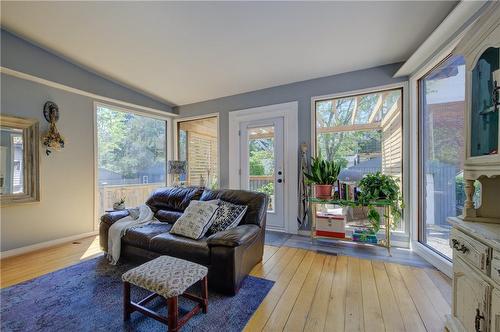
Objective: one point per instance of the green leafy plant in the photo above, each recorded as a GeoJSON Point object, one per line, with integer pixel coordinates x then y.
{"type": "Point", "coordinates": [375, 187]}
{"type": "Point", "coordinates": [121, 201]}
{"type": "Point", "coordinates": [323, 172]}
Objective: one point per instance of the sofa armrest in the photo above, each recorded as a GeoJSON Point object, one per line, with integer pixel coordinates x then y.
{"type": "Point", "coordinates": [234, 237]}
{"type": "Point", "coordinates": [111, 217]}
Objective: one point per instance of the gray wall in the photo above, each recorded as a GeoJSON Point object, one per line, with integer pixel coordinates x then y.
{"type": "Point", "coordinates": [66, 177]}
{"type": "Point", "coordinates": [21, 55]}
{"type": "Point", "coordinates": [300, 91]}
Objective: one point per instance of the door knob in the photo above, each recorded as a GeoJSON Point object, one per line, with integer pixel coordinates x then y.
{"type": "Point", "coordinates": [280, 180]}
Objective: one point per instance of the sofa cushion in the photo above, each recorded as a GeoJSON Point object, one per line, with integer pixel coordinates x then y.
{"type": "Point", "coordinates": [141, 236]}
{"type": "Point", "coordinates": [168, 216]}
{"type": "Point", "coordinates": [173, 198]}
{"type": "Point", "coordinates": [256, 202]}
{"type": "Point", "coordinates": [181, 247]}
{"type": "Point", "coordinates": [195, 220]}
{"type": "Point", "coordinates": [227, 216]}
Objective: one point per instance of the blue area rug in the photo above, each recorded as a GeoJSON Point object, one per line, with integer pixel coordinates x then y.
{"type": "Point", "coordinates": [88, 297]}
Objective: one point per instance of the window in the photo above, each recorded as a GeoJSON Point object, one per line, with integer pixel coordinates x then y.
{"type": "Point", "coordinates": [131, 156]}
{"type": "Point", "coordinates": [363, 133]}
{"type": "Point", "coordinates": [441, 149]}
{"type": "Point", "coordinates": [198, 145]}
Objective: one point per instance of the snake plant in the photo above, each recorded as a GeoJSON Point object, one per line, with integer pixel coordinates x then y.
{"type": "Point", "coordinates": [323, 172]}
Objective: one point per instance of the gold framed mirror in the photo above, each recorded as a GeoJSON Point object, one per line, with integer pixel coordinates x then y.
{"type": "Point", "coordinates": [19, 160]}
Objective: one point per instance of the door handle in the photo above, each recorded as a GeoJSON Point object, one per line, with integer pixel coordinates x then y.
{"type": "Point", "coordinates": [477, 320]}
{"type": "Point", "coordinates": [280, 180]}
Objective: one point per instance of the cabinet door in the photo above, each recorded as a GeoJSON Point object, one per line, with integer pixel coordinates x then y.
{"type": "Point", "coordinates": [470, 297]}
{"type": "Point", "coordinates": [495, 310]}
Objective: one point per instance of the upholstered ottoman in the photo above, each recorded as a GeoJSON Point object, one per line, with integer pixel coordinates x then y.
{"type": "Point", "coordinates": [168, 277]}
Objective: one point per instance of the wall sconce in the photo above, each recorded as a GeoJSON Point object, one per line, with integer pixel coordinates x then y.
{"type": "Point", "coordinates": [52, 140]}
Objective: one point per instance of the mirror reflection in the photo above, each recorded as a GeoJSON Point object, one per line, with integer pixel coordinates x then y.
{"type": "Point", "coordinates": [11, 161]}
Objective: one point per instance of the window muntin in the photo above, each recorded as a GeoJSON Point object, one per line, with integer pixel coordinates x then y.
{"type": "Point", "coordinates": [197, 142]}
{"type": "Point", "coordinates": [362, 132]}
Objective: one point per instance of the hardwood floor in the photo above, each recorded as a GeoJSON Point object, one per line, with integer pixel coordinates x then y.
{"type": "Point", "coordinates": [312, 291]}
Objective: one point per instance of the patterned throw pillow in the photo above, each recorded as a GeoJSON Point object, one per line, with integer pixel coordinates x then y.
{"type": "Point", "coordinates": [227, 216]}
{"type": "Point", "coordinates": [195, 220]}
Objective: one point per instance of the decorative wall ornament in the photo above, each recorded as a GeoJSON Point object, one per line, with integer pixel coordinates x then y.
{"type": "Point", "coordinates": [52, 140]}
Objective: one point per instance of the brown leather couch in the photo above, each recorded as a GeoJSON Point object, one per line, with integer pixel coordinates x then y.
{"type": "Point", "coordinates": [229, 255]}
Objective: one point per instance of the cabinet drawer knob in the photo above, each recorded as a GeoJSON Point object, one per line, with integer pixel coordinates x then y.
{"type": "Point", "coordinates": [463, 249]}
{"type": "Point", "coordinates": [458, 246]}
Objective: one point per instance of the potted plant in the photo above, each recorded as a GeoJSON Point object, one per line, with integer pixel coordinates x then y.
{"type": "Point", "coordinates": [323, 175]}
{"type": "Point", "coordinates": [375, 187]}
{"type": "Point", "coordinates": [119, 205]}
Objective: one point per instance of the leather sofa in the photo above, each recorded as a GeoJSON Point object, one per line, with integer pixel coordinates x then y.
{"type": "Point", "coordinates": [229, 255]}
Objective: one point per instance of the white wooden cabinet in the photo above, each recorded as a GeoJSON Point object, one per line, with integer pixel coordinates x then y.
{"type": "Point", "coordinates": [471, 294]}
{"type": "Point", "coordinates": [481, 50]}
{"type": "Point", "coordinates": [476, 281]}
{"type": "Point", "coordinates": [495, 311]}
{"type": "Point", "coordinates": [475, 237]}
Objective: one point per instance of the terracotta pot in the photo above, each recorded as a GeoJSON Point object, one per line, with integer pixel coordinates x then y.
{"type": "Point", "coordinates": [323, 191]}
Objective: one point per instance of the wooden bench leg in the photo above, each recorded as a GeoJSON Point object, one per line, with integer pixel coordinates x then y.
{"type": "Point", "coordinates": [173, 312]}
{"type": "Point", "coordinates": [204, 294]}
{"type": "Point", "coordinates": [126, 301]}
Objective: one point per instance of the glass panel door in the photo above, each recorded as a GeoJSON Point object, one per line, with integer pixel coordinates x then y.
{"type": "Point", "coordinates": [262, 164]}
{"type": "Point", "coordinates": [441, 149]}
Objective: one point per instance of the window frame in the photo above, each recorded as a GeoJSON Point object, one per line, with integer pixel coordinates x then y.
{"type": "Point", "coordinates": [399, 238]}
{"type": "Point", "coordinates": [175, 138]}
{"type": "Point", "coordinates": [437, 260]}
{"type": "Point", "coordinates": [420, 235]}
{"type": "Point", "coordinates": [168, 118]}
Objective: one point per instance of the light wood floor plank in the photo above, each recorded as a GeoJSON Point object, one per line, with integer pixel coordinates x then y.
{"type": "Point", "coordinates": [317, 314]}
{"type": "Point", "coordinates": [269, 251]}
{"type": "Point", "coordinates": [354, 298]}
{"type": "Point", "coordinates": [442, 282]}
{"type": "Point", "coordinates": [428, 314]}
{"type": "Point", "coordinates": [34, 264]}
{"type": "Point", "coordinates": [261, 269]}
{"type": "Point", "coordinates": [390, 310]}
{"type": "Point", "coordinates": [312, 291]}
{"type": "Point", "coordinates": [335, 318]}
{"type": "Point", "coordinates": [298, 315]}
{"type": "Point", "coordinates": [372, 314]}
{"type": "Point", "coordinates": [409, 312]}
{"type": "Point", "coordinates": [281, 264]}
{"type": "Point", "coordinates": [261, 315]}
{"type": "Point", "coordinates": [438, 302]}
{"type": "Point", "coordinates": [309, 270]}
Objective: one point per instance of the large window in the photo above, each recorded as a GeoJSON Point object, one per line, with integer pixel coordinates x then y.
{"type": "Point", "coordinates": [363, 133]}
{"type": "Point", "coordinates": [131, 153]}
{"type": "Point", "coordinates": [441, 149]}
{"type": "Point", "coordinates": [197, 144]}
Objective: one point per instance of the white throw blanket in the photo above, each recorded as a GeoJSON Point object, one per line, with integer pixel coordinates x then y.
{"type": "Point", "coordinates": [120, 227]}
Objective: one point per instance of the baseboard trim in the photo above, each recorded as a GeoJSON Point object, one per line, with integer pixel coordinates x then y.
{"type": "Point", "coordinates": [439, 262]}
{"type": "Point", "coordinates": [43, 245]}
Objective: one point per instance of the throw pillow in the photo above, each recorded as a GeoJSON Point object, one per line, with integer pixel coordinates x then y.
{"type": "Point", "coordinates": [195, 220]}
{"type": "Point", "coordinates": [227, 216]}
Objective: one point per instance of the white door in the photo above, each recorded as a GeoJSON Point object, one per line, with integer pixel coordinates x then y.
{"type": "Point", "coordinates": [261, 165]}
